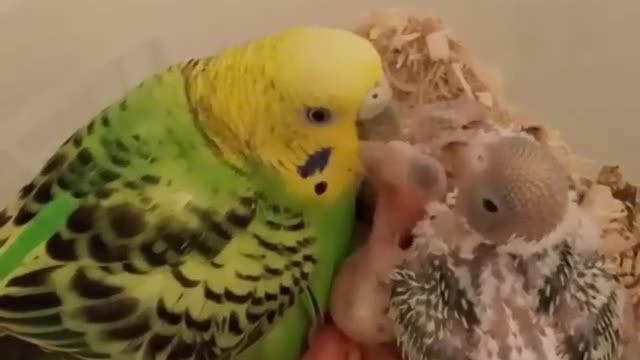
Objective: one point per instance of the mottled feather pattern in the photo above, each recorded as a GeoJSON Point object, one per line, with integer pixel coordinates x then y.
{"type": "Point", "coordinates": [456, 302]}
{"type": "Point", "coordinates": [584, 298]}
{"type": "Point", "coordinates": [628, 266]}
{"type": "Point", "coordinates": [139, 266]}
{"type": "Point", "coordinates": [429, 305]}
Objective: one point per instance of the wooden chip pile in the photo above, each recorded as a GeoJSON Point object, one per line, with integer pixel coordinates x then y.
{"type": "Point", "coordinates": [425, 63]}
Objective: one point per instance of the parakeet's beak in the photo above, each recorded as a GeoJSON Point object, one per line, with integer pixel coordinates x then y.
{"type": "Point", "coordinates": [384, 126]}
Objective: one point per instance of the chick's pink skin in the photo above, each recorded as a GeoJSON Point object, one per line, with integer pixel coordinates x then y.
{"type": "Point", "coordinates": [327, 342]}
{"type": "Point", "coordinates": [404, 180]}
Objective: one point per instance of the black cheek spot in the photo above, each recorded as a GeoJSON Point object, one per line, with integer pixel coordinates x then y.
{"type": "Point", "coordinates": [126, 220]}
{"type": "Point", "coordinates": [320, 188]}
{"type": "Point", "coordinates": [316, 162]}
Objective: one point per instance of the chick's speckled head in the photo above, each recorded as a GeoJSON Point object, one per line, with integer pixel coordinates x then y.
{"type": "Point", "coordinates": [292, 101]}
{"type": "Point", "coordinates": [516, 188]}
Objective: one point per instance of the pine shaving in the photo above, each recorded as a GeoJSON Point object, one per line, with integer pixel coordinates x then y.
{"type": "Point", "coordinates": [485, 98]}
{"type": "Point", "coordinates": [610, 213]}
{"type": "Point", "coordinates": [426, 63]}
{"type": "Point", "coordinates": [438, 45]}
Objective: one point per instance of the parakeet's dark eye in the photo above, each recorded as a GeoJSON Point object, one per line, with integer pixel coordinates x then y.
{"type": "Point", "coordinates": [318, 115]}
{"type": "Point", "coordinates": [489, 205]}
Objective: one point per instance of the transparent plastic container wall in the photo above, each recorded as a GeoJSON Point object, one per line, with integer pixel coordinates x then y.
{"type": "Point", "coordinates": [44, 122]}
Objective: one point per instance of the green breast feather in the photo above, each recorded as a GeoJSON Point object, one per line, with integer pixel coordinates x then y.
{"type": "Point", "coordinates": [133, 239]}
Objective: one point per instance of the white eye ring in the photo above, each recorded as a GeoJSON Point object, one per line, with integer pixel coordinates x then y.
{"type": "Point", "coordinates": [375, 101]}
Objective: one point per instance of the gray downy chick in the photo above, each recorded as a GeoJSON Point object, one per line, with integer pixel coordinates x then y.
{"type": "Point", "coordinates": [508, 269]}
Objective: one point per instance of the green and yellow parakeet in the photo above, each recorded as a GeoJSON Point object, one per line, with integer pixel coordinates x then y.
{"type": "Point", "coordinates": [202, 215]}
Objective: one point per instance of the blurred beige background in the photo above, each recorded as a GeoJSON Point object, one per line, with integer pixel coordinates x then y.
{"type": "Point", "coordinates": [572, 62]}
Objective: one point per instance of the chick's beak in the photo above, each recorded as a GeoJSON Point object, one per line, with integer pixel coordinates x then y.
{"type": "Point", "coordinates": [384, 126]}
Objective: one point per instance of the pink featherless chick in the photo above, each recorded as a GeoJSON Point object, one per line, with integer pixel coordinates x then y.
{"type": "Point", "coordinates": [403, 180]}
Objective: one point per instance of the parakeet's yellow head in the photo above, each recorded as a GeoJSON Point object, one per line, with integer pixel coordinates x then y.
{"type": "Point", "coordinates": [291, 102]}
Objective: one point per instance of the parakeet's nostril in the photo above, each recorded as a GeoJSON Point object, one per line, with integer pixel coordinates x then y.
{"type": "Point", "coordinates": [489, 205]}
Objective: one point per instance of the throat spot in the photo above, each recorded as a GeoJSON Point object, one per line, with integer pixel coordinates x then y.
{"type": "Point", "coordinates": [320, 187]}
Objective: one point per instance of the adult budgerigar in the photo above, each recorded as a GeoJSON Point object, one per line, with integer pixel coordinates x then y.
{"type": "Point", "coordinates": [508, 269]}
{"type": "Point", "coordinates": [203, 214]}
